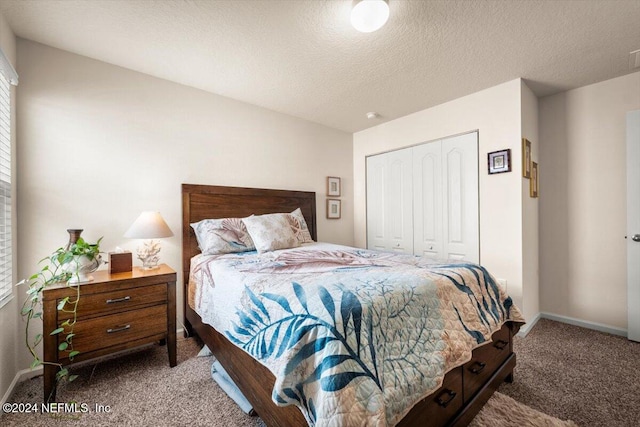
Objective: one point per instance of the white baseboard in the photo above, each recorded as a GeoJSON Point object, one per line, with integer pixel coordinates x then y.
{"type": "Point", "coordinates": [21, 375]}
{"type": "Point", "coordinates": [585, 324]}
{"type": "Point", "coordinates": [528, 326]}
{"type": "Point", "coordinates": [571, 321]}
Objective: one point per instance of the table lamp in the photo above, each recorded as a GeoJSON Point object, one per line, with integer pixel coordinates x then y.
{"type": "Point", "coordinates": [149, 225]}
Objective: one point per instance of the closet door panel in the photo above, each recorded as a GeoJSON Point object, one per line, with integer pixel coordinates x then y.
{"type": "Point", "coordinates": [454, 194]}
{"type": "Point", "coordinates": [460, 194]}
{"type": "Point", "coordinates": [376, 202]}
{"type": "Point", "coordinates": [427, 200]}
{"type": "Point", "coordinates": [390, 201]}
{"type": "Point", "coordinates": [399, 195]}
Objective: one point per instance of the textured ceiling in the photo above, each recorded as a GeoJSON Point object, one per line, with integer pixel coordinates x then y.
{"type": "Point", "coordinates": [303, 58]}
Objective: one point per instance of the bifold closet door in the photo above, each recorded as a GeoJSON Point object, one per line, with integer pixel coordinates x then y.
{"type": "Point", "coordinates": [445, 199]}
{"type": "Point", "coordinates": [424, 199]}
{"type": "Point", "coordinates": [427, 200]}
{"type": "Point", "coordinates": [461, 222]}
{"type": "Point", "coordinates": [389, 201]}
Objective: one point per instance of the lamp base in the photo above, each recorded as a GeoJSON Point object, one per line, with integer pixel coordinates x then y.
{"type": "Point", "coordinates": [148, 254]}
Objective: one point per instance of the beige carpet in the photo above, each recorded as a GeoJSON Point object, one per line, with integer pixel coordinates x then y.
{"type": "Point", "coordinates": [578, 374]}
{"type": "Point", "coordinates": [503, 411]}
{"type": "Point", "coordinates": [141, 390]}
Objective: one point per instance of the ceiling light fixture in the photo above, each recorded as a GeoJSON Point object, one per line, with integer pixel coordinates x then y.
{"type": "Point", "coordinates": [369, 15]}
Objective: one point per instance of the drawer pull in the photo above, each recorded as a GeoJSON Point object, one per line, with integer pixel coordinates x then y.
{"type": "Point", "coordinates": [122, 328]}
{"type": "Point", "coordinates": [500, 344]}
{"type": "Point", "coordinates": [445, 393]}
{"type": "Point", "coordinates": [477, 367]}
{"type": "Point", "coordinates": [111, 301]}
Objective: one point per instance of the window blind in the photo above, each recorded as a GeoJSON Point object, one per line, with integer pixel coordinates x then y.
{"type": "Point", "coordinates": [6, 277]}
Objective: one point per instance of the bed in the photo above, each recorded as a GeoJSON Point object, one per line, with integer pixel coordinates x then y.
{"type": "Point", "coordinates": [463, 391]}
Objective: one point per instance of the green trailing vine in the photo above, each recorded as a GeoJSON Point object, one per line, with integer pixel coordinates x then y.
{"type": "Point", "coordinates": [58, 268]}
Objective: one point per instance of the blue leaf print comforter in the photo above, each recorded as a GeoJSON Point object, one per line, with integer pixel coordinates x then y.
{"type": "Point", "coordinates": [353, 337]}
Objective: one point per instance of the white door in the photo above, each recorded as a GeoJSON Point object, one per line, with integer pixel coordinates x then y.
{"type": "Point", "coordinates": [460, 223]}
{"type": "Point", "coordinates": [376, 215]}
{"type": "Point", "coordinates": [390, 201]}
{"type": "Point", "coordinates": [633, 224]}
{"type": "Point", "coordinates": [427, 200]}
{"type": "Point", "coordinates": [399, 195]}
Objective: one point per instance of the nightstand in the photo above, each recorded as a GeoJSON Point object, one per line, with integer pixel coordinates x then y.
{"type": "Point", "coordinates": [116, 312]}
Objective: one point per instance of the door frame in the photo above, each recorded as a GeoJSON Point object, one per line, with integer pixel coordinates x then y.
{"type": "Point", "coordinates": [633, 224]}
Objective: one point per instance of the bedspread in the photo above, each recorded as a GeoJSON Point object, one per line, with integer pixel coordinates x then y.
{"type": "Point", "coordinates": [353, 337]}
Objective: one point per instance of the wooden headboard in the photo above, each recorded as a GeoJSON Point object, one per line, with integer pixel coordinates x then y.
{"type": "Point", "coordinates": [211, 201]}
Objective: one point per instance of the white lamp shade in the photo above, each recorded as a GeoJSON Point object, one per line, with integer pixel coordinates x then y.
{"type": "Point", "coordinates": [369, 15]}
{"type": "Point", "coordinates": [149, 225]}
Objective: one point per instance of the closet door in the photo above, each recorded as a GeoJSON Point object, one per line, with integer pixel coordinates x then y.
{"type": "Point", "coordinates": [424, 200]}
{"type": "Point", "coordinates": [427, 200]}
{"type": "Point", "coordinates": [399, 190]}
{"type": "Point", "coordinates": [460, 197]}
{"type": "Point", "coordinates": [376, 202]}
{"type": "Point", "coordinates": [390, 201]}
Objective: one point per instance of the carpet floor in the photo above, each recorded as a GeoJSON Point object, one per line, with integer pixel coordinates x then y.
{"type": "Point", "coordinates": [589, 377]}
{"type": "Point", "coordinates": [564, 371]}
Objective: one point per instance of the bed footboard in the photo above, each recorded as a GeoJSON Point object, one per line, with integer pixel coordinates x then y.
{"type": "Point", "coordinates": [454, 404]}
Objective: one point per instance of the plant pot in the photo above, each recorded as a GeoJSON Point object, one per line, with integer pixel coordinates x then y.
{"type": "Point", "coordinates": [81, 268]}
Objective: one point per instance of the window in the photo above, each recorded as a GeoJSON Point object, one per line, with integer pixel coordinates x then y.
{"type": "Point", "coordinates": [7, 76]}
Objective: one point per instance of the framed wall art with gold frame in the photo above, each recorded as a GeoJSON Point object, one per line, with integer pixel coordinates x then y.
{"type": "Point", "coordinates": [526, 158]}
{"type": "Point", "coordinates": [533, 183]}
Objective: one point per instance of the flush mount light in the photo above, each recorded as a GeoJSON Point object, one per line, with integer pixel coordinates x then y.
{"type": "Point", "coordinates": [369, 15]}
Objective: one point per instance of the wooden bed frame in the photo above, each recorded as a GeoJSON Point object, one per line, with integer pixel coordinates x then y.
{"type": "Point", "coordinates": [253, 379]}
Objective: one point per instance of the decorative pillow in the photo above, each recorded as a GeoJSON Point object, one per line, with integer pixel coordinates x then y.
{"type": "Point", "coordinates": [222, 236]}
{"type": "Point", "coordinates": [272, 231]}
{"type": "Point", "coordinates": [300, 228]}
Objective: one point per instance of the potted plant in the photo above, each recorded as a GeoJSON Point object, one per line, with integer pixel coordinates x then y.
{"type": "Point", "coordinates": [69, 265]}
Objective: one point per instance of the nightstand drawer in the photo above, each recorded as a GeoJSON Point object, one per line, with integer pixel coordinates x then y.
{"type": "Point", "coordinates": [94, 305]}
{"type": "Point", "coordinates": [107, 331]}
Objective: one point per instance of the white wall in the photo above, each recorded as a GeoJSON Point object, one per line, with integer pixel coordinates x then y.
{"type": "Point", "coordinates": [530, 264]}
{"type": "Point", "coordinates": [583, 200]}
{"type": "Point", "coordinates": [496, 114]}
{"type": "Point", "coordinates": [98, 144]}
{"type": "Point", "coordinates": [9, 314]}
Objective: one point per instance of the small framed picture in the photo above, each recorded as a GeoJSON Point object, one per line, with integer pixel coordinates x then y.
{"type": "Point", "coordinates": [526, 158]}
{"type": "Point", "coordinates": [333, 209]}
{"type": "Point", "coordinates": [533, 184]}
{"type": "Point", "coordinates": [499, 161]}
{"type": "Point", "coordinates": [333, 186]}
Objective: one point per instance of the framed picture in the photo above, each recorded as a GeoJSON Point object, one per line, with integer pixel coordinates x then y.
{"type": "Point", "coordinates": [533, 184]}
{"type": "Point", "coordinates": [333, 186]}
{"type": "Point", "coordinates": [499, 161]}
{"type": "Point", "coordinates": [526, 158]}
{"type": "Point", "coordinates": [333, 209]}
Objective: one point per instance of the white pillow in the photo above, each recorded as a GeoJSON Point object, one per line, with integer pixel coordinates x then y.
{"type": "Point", "coordinates": [222, 236]}
{"type": "Point", "coordinates": [272, 231]}
{"type": "Point", "coordinates": [300, 229]}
